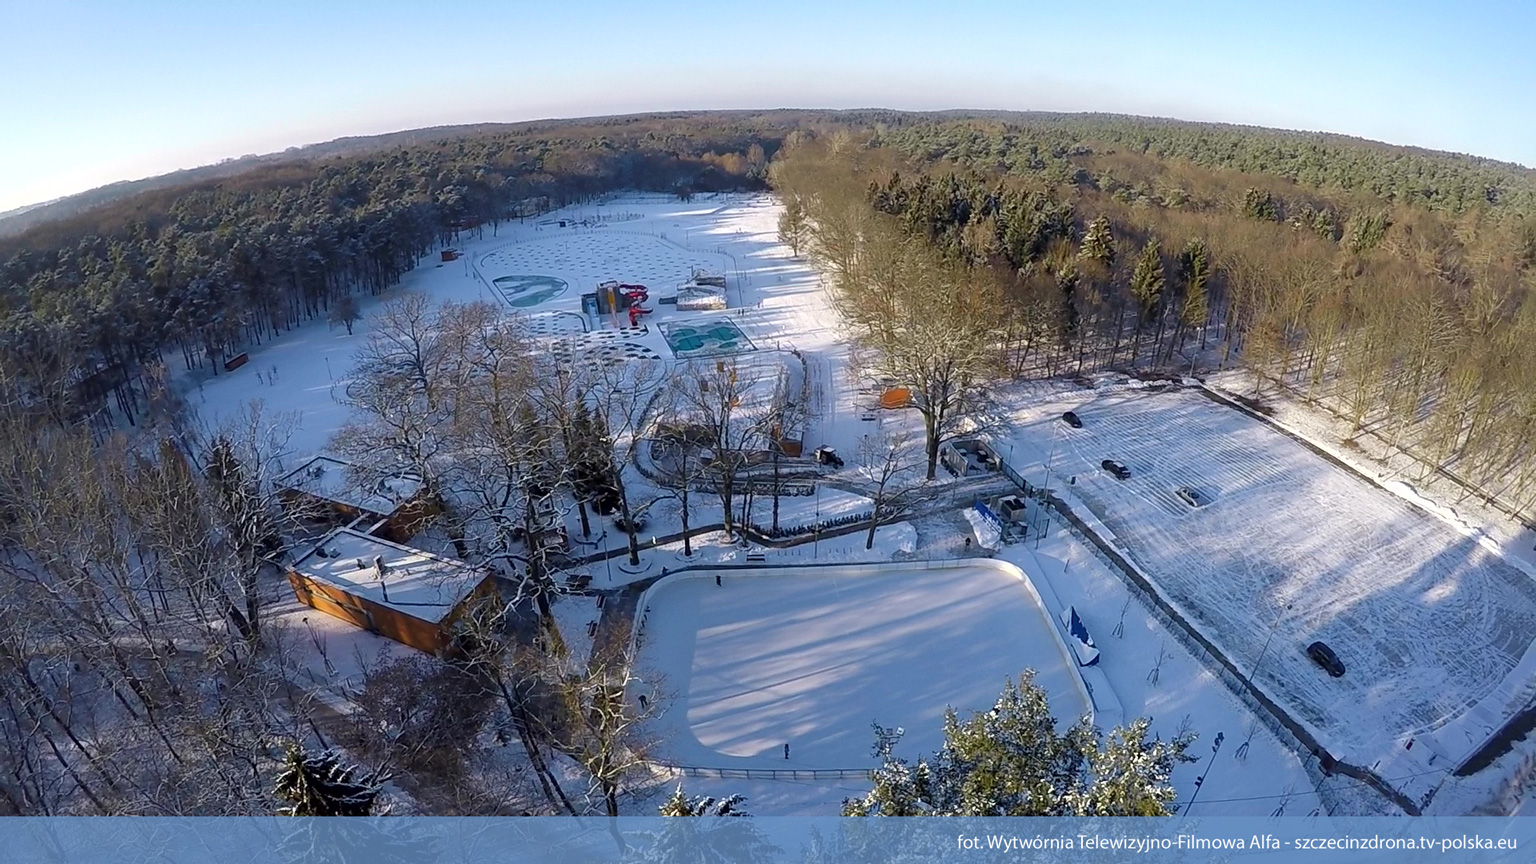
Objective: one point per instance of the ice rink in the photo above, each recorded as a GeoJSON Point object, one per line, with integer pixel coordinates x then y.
{"type": "Point", "coordinates": [811, 657]}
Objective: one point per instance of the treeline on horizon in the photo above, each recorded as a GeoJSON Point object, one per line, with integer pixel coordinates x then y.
{"type": "Point", "coordinates": [205, 270]}
{"type": "Point", "coordinates": [1414, 323]}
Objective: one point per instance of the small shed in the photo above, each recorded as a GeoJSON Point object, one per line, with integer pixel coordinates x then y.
{"type": "Point", "coordinates": [968, 457]}
{"type": "Point", "coordinates": [329, 488]}
{"type": "Point", "coordinates": [896, 397]}
{"type": "Point", "coordinates": [406, 594]}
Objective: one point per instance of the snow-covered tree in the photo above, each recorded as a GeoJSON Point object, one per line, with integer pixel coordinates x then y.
{"type": "Point", "coordinates": [716, 400]}
{"type": "Point", "coordinates": [680, 804]}
{"type": "Point", "coordinates": [717, 834]}
{"type": "Point", "coordinates": [620, 398]}
{"type": "Point", "coordinates": [320, 784]}
{"type": "Point", "coordinates": [891, 467]}
{"type": "Point", "coordinates": [604, 708]}
{"type": "Point", "coordinates": [1010, 761]}
{"type": "Point", "coordinates": [1098, 243]}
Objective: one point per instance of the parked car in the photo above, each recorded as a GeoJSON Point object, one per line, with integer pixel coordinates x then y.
{"type": "Point", "coordinates": [1189, 496]}
{"type": "Point", "coordinates": [1323, 656]}
{"type": "Point", "coordinates": [1116, 469]}
{"type": "Point", "coordinates": [1071, 419]}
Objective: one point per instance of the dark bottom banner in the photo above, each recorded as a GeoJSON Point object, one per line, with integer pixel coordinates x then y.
{"type": "Point", "coordinates": [762, 840]}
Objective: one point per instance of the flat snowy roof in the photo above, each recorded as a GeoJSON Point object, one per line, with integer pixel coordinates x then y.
{"type": "Point", "coordinates": [414, 583]}
{"type": "Point", "coordinates": [327, 477]}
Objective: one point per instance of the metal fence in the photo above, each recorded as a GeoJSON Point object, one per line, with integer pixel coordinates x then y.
{"type": "Point", "coordinates": [766, 773]}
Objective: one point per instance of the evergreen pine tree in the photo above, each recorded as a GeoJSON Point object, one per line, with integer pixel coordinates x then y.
{"type": "Point", "coordinates": [679, 804]}
{"type": "Point", "coordinates": [1147, 284]}
{"type": "Point", "coordinates": [1194, 271]}
{"type": "Point", "coordinates": [793, 225]}
{"type": "Point", "coordinates": [1258, 204]}
{"type": "Point", "coordinates": [1147, 280]}
{"type": "Point", "coordinates": [1010, 761]}
{"type": "Point", "coordinates": [591, 458]}
{"type": "Point", "coordinates": [1099, 243]}
{"type": "Point", "coordinates": [714, 834]}
{"type": "Point", "coordinates": [321, 785]}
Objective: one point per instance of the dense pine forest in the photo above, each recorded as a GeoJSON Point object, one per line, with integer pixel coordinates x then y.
{"type": "Point", "coordinates": [1388, 287]}
{"type": "Point", "coordinates": [195, 272]}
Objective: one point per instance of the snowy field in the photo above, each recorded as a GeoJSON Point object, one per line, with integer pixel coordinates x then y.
{"type": "Point", "coordinates": [301, 376]}
{"type": "Point", "coordinates": [778, 303]}
{"type": "Point", "coordinates": [1289, 549]}
{"type": "Point", "coordinates": [812, 657]}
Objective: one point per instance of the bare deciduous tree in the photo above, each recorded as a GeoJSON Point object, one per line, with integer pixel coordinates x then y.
{"type": "Point", "coordinates": [891, 467]}
{"type": "Point", "coordinates": [723, 400]}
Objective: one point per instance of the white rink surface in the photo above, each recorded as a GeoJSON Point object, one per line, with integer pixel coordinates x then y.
{"type": "Point", "coordinates": [813, 658]}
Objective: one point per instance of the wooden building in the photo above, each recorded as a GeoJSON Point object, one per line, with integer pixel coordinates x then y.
{"type": "Point", "coordinates": [328, 488]}
{"type": "Point", "coordinates": [405, 594]}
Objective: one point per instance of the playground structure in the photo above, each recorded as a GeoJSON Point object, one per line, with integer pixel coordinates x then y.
{"type": "Point", "coordinates": [613, 297]}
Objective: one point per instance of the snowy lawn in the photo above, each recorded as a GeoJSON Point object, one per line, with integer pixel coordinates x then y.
{"type": "Point", "coordinates": [1288, 549]}
{"type": "Point", "coordinates": [574, 614]}
{"type": "Point", "coordinates": [811, 658]}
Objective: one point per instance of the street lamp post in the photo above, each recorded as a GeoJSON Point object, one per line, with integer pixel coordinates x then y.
{"type": "Point", "coordinates": [1200, 781]}
{"type": "Point", "coordinates": [1265, 649]}
{"type": "Point", "coordinates": [1045, 486]}
{"type": "Point", "coordinates": [816, 538]}
{"type": "Point", "coordinates": [1262, 652]}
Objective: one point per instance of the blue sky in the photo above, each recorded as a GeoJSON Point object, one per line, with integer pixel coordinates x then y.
{"type": "Point", "coordinates": [93, 92]}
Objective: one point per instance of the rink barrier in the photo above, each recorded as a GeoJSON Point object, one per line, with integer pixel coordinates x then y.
{"type": "Point", "coordinates": [1276, 718]}
{"type": "Point", "coordinates": [706, 571]}
{"type": "Point", "coordinates": [766, 773]}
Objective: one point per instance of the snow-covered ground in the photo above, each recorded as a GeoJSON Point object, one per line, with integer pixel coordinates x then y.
{"type": "Point", "coordinates": [327, 654]}
{"type": "Point", "coordinates": [1431, 623]}
{"type": "Point", "coordinates": [1288, 549]}
{"type": "Point", "coordinates": [576, 616]}
{"type": "Point", "coordinates": [776, 300]}
{"type": "Point", "coordinates": [811, 657]}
